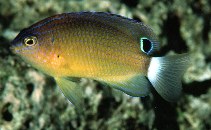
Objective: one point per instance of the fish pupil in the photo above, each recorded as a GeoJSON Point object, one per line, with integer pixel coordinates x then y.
{"type": "Point", "coordinates": [30, 42]}
{"type": "Point", "coordinates": [146, 45]}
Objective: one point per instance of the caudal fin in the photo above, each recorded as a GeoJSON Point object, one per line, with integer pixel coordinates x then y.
{"type": "Point", "coordinates": [165, 75]}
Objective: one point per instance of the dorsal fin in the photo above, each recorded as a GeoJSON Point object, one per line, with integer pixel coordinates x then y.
{"type": "Point", "coordinates": [129, 26]}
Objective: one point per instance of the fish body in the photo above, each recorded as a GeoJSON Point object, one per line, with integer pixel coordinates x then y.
{"type": "Point", "coordinates": [105, 47]}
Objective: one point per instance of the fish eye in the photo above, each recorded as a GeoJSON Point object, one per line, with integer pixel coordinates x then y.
{"type": "Point", "coordinates": [146, 45]}
{"type": "Point", "coordinates": [30, 41]}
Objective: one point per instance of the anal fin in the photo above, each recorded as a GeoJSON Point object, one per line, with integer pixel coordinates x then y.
{"type": "Point", "coordinates": [138, 86]}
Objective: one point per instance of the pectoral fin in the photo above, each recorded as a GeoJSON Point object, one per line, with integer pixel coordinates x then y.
{"type": "Point", "coordinates": [72, 92]}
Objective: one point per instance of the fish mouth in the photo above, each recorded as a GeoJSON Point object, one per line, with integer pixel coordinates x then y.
{"type": "Point", "coordinates": [15, 47]}
{"type": "Point", "coordinates": [12, 48]}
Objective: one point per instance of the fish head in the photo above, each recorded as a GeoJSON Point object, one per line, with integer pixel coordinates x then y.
{"type": "Point", "coordinates": [24, 43]}
{"type": "Point", "coordinates": [32, 45]}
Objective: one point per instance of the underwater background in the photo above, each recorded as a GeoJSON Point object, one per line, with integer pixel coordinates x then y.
{"type": "Point", "coordinates": [30, 99]}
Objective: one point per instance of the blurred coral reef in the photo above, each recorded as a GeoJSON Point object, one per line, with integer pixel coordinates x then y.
{"type": "Point", "coordinates": [30, 100]}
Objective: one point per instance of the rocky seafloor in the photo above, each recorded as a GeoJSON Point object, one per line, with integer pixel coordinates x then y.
{"type": "Point", "coordinates": [30, 100]}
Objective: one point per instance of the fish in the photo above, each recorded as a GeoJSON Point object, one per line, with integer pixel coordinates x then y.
{"type": "Point", "coordinates": [105, 47]}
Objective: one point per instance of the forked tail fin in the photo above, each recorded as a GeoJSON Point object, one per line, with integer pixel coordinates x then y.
{"type": "Point", "coordinates": [165, 75]}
